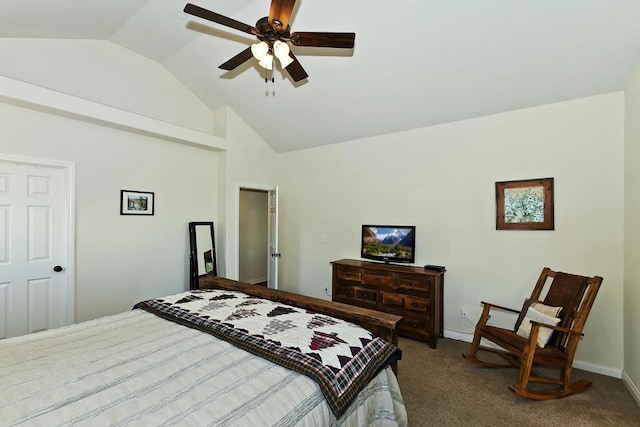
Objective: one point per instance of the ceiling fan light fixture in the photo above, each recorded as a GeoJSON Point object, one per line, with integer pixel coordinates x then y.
{"type": "Point", "coordinates": [260, 50]}
{"type": "Point", "coordinates": [266, 62]}
{"type": "Point", "coordinates": [281, 51]}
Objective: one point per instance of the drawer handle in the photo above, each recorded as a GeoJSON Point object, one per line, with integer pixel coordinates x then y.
{"type": "Point", "coordinates": [378, 279]}
{"type": "Point", "coordinates": [415, 304]}
{"type": "Point", "coordinates": [413, 285]}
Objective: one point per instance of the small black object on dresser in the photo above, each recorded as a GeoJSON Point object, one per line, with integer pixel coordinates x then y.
{"type": "Point", "coordinates": [414, 293]}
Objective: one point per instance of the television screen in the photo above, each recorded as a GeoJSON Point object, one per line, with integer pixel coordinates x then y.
{"type": "Point", "coordinates": [389, 243]}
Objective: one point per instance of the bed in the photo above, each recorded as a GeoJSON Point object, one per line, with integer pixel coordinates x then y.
{"type": "Point", "coordinates": [215, 356]}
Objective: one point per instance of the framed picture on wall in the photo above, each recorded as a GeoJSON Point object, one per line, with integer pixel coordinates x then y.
{"type": "Point", "coordinates": [525, 204]}
{"type": "Point", "coordinates": [136, 202]}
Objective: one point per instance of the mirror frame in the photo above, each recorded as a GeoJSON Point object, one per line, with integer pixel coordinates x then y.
{"type": "Point", "coordinates": [194, 276]}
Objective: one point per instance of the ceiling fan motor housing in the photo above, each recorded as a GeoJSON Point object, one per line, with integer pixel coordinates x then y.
{"type": "Point", "coordinates": [271, 31]}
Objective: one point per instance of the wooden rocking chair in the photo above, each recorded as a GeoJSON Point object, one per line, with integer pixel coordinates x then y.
{"type": "Point", "coordinates": [575, 295]}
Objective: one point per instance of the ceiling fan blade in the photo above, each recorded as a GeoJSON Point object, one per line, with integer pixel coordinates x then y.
{"type": "Point", "coordinates": [281, 11]}
{"type": "Point", "coordinates": [340, 40]}
{"type": "Point", "coordinates": [237, 60]}
{"type": "Point", "coordinates": [194, 10]}
{"type": "Point", "coordinates": [295, 70]}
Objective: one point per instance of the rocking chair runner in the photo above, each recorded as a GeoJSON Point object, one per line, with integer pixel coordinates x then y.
{"type": "Point", "coordinates": [575, 295]}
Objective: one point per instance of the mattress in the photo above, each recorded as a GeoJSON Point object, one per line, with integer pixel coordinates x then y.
{"type": "Point", "coordinates": [136, 368]}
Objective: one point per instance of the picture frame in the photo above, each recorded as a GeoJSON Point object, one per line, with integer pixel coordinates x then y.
{"type": "Point", "coordinates": [525, 204]}
{"type": "Point", "coordinates": [137, 202]}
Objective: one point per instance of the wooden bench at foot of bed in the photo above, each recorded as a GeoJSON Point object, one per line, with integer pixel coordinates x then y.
{"type": "Point", "coordinates": [379, 323]}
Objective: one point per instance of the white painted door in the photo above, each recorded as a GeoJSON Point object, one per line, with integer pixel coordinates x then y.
{"type": "Point", "coordinates": [33, 246]}
{"type": "Point", "coordinates": [274, 255]}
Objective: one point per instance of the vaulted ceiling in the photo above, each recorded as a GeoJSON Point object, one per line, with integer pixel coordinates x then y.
{"type": "Point", "coordinates": [415, 63]}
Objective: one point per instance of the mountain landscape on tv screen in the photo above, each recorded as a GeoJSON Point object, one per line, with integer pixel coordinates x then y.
{"type": "Point", "coordinates": [388, 242]}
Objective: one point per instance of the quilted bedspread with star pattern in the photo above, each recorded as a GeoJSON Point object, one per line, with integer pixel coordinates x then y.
{"type": "Point", "coordinates": [340, 356]}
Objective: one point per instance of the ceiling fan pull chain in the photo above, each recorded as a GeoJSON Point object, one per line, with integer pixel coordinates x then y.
{"type": "Point", "coordinates": [266, 81]}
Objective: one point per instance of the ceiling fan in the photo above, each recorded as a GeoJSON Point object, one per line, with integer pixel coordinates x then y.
{"type": "Point", "coordinates": [274, 34]}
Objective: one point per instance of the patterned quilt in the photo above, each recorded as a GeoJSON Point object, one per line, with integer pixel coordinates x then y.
{"type": "Point", "coordinates": [340, 356]}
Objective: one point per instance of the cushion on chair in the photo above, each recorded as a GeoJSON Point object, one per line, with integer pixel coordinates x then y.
{"type": "Point", "coordinates": [552, 311]}
{"type": "Point", "coordinates": [541, 313]}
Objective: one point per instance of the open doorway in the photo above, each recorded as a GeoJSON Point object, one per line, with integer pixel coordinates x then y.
{"type": "Point", "coordinates": [253, 242]}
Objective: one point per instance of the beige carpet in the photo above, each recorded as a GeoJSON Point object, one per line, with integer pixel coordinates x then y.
{"type": "Point", "coordinates": [440, 388]}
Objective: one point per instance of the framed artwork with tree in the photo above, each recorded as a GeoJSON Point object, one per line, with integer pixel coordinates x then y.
{"type": "Point", "coordinates": [136, 202]}
{"type": "Point", "coordinates": [525, 204]}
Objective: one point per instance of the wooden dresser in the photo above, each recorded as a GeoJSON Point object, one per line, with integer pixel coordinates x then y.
{"type": "Point", "coordinates": [414, 293]}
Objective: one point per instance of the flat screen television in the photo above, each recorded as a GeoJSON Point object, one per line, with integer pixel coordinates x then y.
{"type": "Point", "coordinates": [388, 243]}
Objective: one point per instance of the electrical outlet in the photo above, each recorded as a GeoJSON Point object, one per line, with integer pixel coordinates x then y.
{"type": "Point", "coordinates": [464, 313]}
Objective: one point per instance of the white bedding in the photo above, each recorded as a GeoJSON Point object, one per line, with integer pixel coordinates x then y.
{"type": "Point", "coordinates": [138, 369]}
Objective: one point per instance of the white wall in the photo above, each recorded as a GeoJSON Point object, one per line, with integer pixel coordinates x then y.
{"type": "Point", "coordinates": [249, 162]}
{"type": "Point", "coordinates": [191, 184]}
{"type": "Point", "coordinates": [632, 236]}
{"type": "Point", "coordinates": [120, 259]}
{"type": "Point", "coordinates": [104, 72]}
{"type": "Point", "coordinates": [442, 180]}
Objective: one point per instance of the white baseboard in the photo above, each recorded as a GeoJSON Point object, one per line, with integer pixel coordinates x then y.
{"type": "Point", "coordinates": [633, 388]}
{"type": "Point", "coordinates": [591, 367]}
{"type": "Point", "coordinates": [459, 336]}
{"type": "Point", "coordinates": [598, 369]}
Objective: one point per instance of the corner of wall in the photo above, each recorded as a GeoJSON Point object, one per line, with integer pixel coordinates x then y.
{"type": "Point", "coordinates": [633, 84]}
{"type": "Point", "coordinates": [633, 388]}
{"type": "Point", "coordinates": [631, 292]}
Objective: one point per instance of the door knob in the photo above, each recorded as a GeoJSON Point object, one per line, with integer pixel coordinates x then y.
{"type": "Point", "coordinates": [57, 269]}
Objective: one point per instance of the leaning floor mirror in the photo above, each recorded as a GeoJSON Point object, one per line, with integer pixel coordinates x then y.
{"type": "Point", "coordinates": [202, 256]}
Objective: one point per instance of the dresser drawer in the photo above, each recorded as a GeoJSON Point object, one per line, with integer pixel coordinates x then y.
{"type": "Point", "coordinates": [392, 299]}
{"type": "Point", "coordinates": [365, 295]}
{"type": "Point", "coordinates": [408, 302]}
{"type": "Point", "coordinates": [349, 274]}
{"type": "Point", "coordinates": [344, 291]}
{"type": "Point", "coordinates": [379, 278]}
{"type": "Point", "coordinates": [416, 303]}
{"type": "Point", "coordinates": [414, 325]}
{"type": "Point", "coordinates": [417, 282]}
